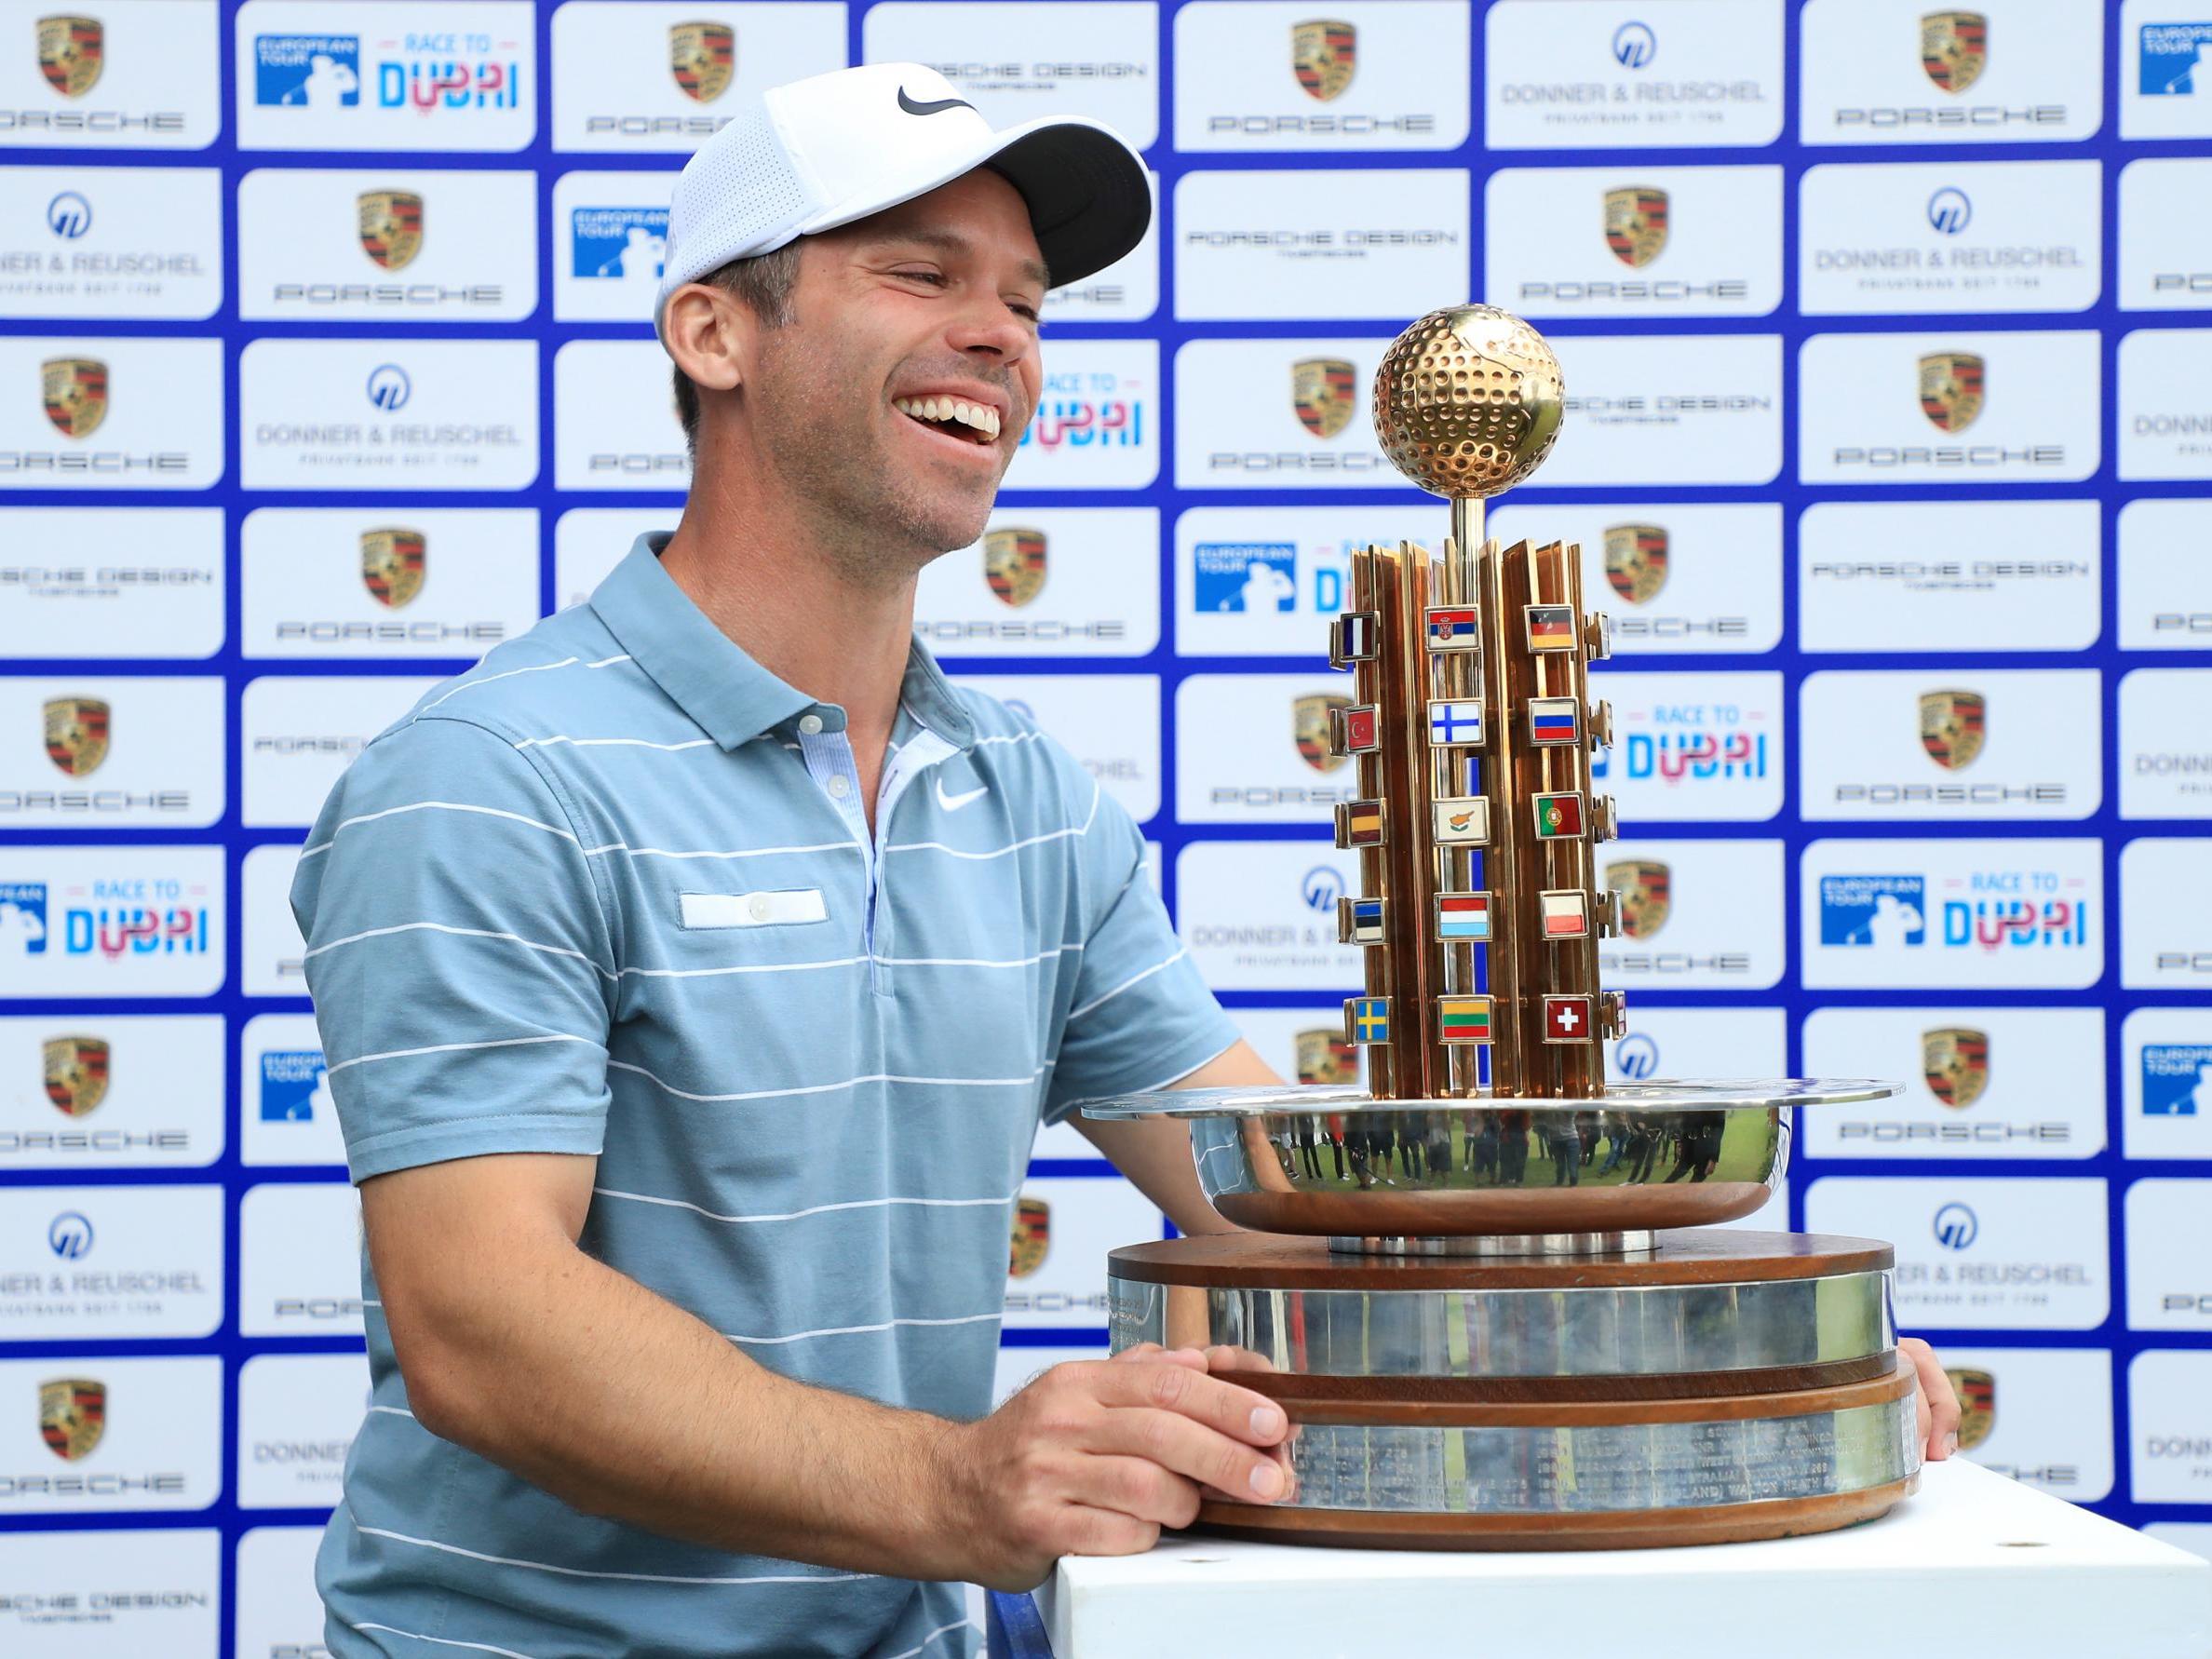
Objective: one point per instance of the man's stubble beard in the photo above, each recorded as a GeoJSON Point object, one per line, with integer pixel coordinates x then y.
{"type": "Point", "coordinates": [875, 525]}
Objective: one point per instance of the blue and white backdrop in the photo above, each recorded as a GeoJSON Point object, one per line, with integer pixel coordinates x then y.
{"type": "Point", "coordinates": [323, 371]}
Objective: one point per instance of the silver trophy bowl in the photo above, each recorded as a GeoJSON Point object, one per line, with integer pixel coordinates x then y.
{"type": "Point", "coordinates": [1490, 1176]}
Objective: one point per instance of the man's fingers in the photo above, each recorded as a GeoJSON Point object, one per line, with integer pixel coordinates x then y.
{"type": "Point", "coordinates": [1189, 1359]}
{"type": "Point", "coordinates": [1223, 1357]}
{"type": "Point", "coordinates": [1941, 1425]}
{"type": "Point", "coordinates": [1183, 1447]}
{"type": "Point", "coordinates": [1238, 1413]}
{"type": "Point", "coordinates": [1108, 1533]}
{"type": "Point", "coordinates": [1137, 1487]}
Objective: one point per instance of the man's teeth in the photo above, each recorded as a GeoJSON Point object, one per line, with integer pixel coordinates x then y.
{"type": "Point", "coordinates": [978, 417]}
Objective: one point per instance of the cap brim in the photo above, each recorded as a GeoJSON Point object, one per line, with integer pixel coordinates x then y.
{"type": "Point", "coordinates": [1088, 197]}
{"type": "Point", "coordinates": [1086, 190]}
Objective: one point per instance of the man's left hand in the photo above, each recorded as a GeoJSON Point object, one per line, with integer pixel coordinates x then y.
{"type": "Point", "coordinates": [1936, 1402]}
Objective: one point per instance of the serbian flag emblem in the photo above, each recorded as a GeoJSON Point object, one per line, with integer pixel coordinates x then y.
{"type": "Point", "coordinates": [1453, 627]}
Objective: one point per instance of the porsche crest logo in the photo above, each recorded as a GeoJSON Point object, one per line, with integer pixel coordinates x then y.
{"type": "Point", "coordinates": [1951, 388]}
{"type": "Point", "coordinates": [76, 733]}
{"type": "Point", "coordinates": [1952, 726]}
{"type": "Point", "coordinates": [1646, 887]}
{"type": "Point", "coordinates": [70, 52]}
{"type": "Point", "coordinates": [1636, 224]}
{"type": "Point", "coordinates": [703, 57]}
{"type": "Point", "coordinates": [1014, 564]}
{"type": "Point", "coordinates": [391, 226]}
{"type": "Point", "coordinates": [77, 1073]}
{"type": "Point", "coordinates": [1954, 48]}
{"type": "Point", "coordinates": [1323, 54]}
{"type": "Point", "coordinates": [1322, 390]}
{"type": "Point", "coordinates": [393, 565]}
{"type": "Point", "coordinates": [1955, 1060]}
{"type": "Point", "coordinates": [1327, 1056]}
{"type": "Point", "coordinates": [1635, 561]}
{"type": "Point", "coordinates": [1309, 730]}
{"type": "Point", "coordinates": [1978, 1404]}
{"type": "Point", "coordinates": [75, 390]}
{"type": "Point", "coordinates": [1032, 1236]}
{"type": "Point", "coordinates": [71, 1416]}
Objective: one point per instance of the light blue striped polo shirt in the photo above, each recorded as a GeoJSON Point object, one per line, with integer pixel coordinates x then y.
{"type": "Point", "coordinates": [612, 892]}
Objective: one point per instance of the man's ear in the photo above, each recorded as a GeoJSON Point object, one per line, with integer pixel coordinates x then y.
{"type": "Point", "coordinates": [711, 335]}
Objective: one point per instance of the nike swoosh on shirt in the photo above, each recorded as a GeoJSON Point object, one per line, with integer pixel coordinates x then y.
{"type": "Point", "coordinates": [954, 802]}
{"type": "Point", "coordinates": [942, 104]}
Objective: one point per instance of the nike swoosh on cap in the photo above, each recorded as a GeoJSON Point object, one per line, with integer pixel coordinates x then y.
{"type": "Point", "coordinates": [942, 104]}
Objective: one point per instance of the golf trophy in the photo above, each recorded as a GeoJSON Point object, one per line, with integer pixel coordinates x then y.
{"type": "Point", "coordinates": [1479, 1289]}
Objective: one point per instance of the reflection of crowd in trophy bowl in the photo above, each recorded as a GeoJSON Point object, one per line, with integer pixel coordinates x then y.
{"type": "Point", "coordinates": [1500, 1147]}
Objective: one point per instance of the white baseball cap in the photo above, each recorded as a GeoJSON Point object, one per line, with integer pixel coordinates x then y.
{"type": "Point", "coordinates": [823, 151]}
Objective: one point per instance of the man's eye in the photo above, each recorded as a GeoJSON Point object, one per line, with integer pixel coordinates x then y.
{"type": "Point", "coordinates": [936, 276]}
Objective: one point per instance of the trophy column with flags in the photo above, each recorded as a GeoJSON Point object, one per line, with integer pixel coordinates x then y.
{"type": "Point", "coordinates": [1489, 1336]}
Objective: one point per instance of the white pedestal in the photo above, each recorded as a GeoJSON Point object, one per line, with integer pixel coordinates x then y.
{"type": "Point", "coordinates": [1972, 1565]}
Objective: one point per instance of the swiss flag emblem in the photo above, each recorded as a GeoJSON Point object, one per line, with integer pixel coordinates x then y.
{"type": "Point", "coordinates": [1567, 1019]}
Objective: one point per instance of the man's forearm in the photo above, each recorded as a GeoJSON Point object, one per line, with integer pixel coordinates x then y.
{"type": "Point", "coordinates": [1156, 1152]}
{"type": "Point", "coordinates": [588, 1385]}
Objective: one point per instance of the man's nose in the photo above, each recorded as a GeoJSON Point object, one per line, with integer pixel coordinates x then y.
{"type": "Point", "coordinates": [992, 331]}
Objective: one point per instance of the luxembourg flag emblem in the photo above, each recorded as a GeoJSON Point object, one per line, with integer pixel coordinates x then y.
{"type": "Point", "coordinates": [1463, 917]}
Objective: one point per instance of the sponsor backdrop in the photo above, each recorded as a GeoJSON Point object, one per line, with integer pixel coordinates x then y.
{"type": "Point", "coordinates": [323, 372]}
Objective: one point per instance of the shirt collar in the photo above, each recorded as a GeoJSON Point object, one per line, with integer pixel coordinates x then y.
{"type": "Point", "coordinates": [712, 679]}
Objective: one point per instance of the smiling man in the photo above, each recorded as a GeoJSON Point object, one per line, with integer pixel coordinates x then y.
{"type": "Point", "coordinates": [695, 973]}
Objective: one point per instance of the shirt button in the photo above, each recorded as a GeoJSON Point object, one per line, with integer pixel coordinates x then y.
{"type": "Point", "coordinates": [838, 787]}
{"type": "Point", "coordinates": [810, 723]}
{"type": "Point", "coordinates": [759, 907]}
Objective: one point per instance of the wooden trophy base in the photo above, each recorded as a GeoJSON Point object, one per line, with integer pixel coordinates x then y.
{"type": "Point", "coordinates": [1720, 1387]}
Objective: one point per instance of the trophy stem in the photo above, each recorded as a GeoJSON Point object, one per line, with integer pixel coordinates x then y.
{"type": "Point", "coordinates": [1466, 524]}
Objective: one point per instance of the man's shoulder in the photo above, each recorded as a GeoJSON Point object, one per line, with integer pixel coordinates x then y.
{"type": "Point", "coordinates": [508, 729]}
{"type": "Point", "coordinates": [538, 686]}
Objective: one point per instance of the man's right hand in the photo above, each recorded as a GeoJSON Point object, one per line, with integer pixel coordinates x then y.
{"type": "Point", "coordinates": [1094, 1458]}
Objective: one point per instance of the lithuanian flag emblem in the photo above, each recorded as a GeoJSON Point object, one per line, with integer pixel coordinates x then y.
{"type": "Point", "coordinates": [1464, 1018]}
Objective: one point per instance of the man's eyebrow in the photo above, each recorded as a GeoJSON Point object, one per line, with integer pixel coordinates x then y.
{"type": "Point", "coordinates": [950, 242]}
